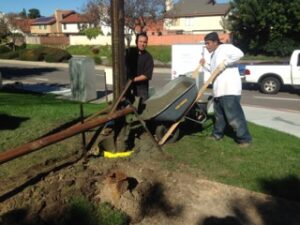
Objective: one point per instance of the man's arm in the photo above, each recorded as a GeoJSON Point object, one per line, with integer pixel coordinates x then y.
{"type": "Point", "coordinates": [147, 72]}
{"type": "Point", "coordinates": [233, 54]}
{"type": "Point", "coordinates": [140, 78]}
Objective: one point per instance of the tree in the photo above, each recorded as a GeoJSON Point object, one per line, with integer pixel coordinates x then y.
{"type": "Point", "coordinates": [269, 27]}
{"type": "Point", "coordinates": [92, 12]}
{"type": "Point", "coordinates": [92, 32]}
{"type": "Point", "coordinates": [3, 29]}
{"type": "Point", "coordinates": [23, 14]}
{"type": "Point", "coordinates": [13, 28]}
{"type": "Point", "coordinates": [34, 13]}
{"type": "Point", "coordinates": [136, 13]}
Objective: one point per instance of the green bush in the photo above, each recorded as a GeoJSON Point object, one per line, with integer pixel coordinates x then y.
{"type": "Point", "coordinates": [56, 55]}
{"type": "Point", "coordinates": [4, 49]}
{"type": "Point", "coordinates": [32, 54]}
{"type": "Point", "coordinates": [97, 60]}
{"type": "Point", "coordinates": [95, 50]}
{"type": "Point", "coordinates": [92, 32]}
{"type": "Point", "coordinates": [44, 53]}
{"type": "Point", "coordinates": [9, 55]}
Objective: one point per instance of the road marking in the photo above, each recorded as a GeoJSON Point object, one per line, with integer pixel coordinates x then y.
{"type": "Point", "coordinates": [41, 79]}
{"type": "Point", "coordinates": [278, 98]}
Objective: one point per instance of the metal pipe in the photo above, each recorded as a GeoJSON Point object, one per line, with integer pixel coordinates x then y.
{"type": "Point", "coordinates": [54, 138]}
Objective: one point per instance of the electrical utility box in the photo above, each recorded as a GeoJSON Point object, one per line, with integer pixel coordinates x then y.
{"type": "Point", "coordinates": [82, 78]}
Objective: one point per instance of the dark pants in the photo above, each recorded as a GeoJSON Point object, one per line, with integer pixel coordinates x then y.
{"type": "Point", "coordinates": [228, 110]}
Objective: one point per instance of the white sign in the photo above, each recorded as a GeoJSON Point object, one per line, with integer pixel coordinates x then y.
{"type": "Point", "coordinates": [186, 57]}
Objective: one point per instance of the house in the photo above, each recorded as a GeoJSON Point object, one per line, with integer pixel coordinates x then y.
{"type": "Point", "coordinates": [74, 23]}
{"type": "Point", "coordinates": [194, 17]}
{"type": "Point", "coordinates": [62, 23]}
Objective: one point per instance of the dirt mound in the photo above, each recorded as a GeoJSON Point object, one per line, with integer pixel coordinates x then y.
{"type": "Point", "coordinates": [157, 196]}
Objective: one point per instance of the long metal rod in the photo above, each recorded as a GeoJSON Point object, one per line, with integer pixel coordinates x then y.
{"type": "Point", "coordinates": [69, 132]}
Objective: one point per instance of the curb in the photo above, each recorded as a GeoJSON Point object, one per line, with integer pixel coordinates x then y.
{"type": "Point", "coordinates": [66, 65]}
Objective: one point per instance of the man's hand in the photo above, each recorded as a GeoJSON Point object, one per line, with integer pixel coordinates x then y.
{"type": "Point", "coordinates": [202, 62]}
{"type": "Point", "coordinates": [222, 66]}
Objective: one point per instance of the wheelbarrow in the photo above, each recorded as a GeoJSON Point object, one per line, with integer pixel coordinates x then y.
{"type": "Point", "coordinates": [171, 103]}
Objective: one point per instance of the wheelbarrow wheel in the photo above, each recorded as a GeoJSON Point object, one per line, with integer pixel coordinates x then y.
{"type": "Point", "coordinates": [162, 129]}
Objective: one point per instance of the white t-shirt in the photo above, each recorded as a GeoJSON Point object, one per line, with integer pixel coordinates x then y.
{"type": "Point", "coordinates": [229, 81]}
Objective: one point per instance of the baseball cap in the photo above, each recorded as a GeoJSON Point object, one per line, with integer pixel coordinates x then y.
{"type": "Point", "coordinates": [213, 36]}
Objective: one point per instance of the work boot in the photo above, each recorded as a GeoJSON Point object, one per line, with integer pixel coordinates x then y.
{"type": "Point", "coordinates": [244, 144]}
{"type": "Point", "coordinates": [214, 138]}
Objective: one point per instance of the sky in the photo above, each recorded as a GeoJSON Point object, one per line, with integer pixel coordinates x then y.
{"type": "Point", "coordinates": [47, 7]}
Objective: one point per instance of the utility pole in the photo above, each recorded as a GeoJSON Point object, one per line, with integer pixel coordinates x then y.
{"type": "Point", "coordinates": [118, 47]}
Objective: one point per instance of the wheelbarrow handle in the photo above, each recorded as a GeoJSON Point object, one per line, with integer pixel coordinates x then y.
{"type": "Point", "coordinates": [169, 132]}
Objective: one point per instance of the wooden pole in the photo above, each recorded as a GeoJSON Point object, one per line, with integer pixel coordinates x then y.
{"type": "Point", "coordinates": [54, 138]}
{"type": "Point", "coordinates": [118, 47]}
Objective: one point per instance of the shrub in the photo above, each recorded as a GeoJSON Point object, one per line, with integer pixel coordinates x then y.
{"type": "Point", "coordinates": [9, 55]}
{"type": "Point", "coordinates": [4, 49]}
{"type": "Point", "coordinates": [95, 50]}
{"type": "Point", "coordinates": [93, 32]}
{"type": "Point", "coordinates": [57, 55]}
{"type": "Point", "coordinates": [97, 60]}
{"type": "Point", "coordinates": [32, 54]}
{"type": "Point", "coordinates": [44, 53]}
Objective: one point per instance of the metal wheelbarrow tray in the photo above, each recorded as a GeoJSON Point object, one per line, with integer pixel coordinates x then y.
{"type": "Point", "coordinates": [171, 102]}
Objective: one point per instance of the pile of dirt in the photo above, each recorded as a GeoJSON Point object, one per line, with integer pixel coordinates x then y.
{"type": "Point", "coordinates": [154, 196]}
{"type": "Point", "coordinates": [147, 192]}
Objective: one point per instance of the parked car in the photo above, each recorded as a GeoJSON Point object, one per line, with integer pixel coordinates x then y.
{"type": "Point", "coordinates": [271, 78]}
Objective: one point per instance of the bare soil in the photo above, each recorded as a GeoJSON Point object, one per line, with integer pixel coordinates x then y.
{"type": "Point", "coordinates": [148, 193]}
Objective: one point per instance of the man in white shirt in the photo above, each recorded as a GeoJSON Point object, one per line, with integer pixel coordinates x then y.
{"type": "Point", "coordinates": [227, 88]}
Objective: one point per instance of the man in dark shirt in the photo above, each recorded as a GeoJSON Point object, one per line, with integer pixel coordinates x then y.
{"type": "Point", "coordinates": [139, 63]}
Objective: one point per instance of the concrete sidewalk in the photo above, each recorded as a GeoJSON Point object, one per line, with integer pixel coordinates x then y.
{"type": "Point", "coordinates": [282, 120]}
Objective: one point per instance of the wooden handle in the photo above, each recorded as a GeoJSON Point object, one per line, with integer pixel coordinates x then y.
{"type": "Point", "coordinates": [196, 71]}
{"type": "Point", "coordinates": [169, 132]}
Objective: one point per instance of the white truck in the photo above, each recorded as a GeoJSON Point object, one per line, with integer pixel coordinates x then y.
{"type": "Point", "coordinates": [272, 77]}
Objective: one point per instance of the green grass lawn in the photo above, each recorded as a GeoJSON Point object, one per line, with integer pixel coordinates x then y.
{"type": "Point", "coordinates": [161, 53]}
{"type": "Point", "coordinates": [26, 116]}
{"type": "Point", "coordinates": [271, 165]}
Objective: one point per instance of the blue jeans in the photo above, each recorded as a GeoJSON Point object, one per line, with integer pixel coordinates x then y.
{"type": "Point", "coordinates": [228, 110]}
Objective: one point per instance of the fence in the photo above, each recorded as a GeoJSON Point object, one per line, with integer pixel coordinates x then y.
{"type": "Point", "coordinates": [168, 39]}
{"type": "Point", "coordinates": [33, 40]}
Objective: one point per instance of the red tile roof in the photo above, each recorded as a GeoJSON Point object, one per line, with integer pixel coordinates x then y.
{"type": "Point", "coordinates": [75, 18]}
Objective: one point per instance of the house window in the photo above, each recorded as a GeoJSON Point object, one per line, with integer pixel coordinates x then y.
{"type": "Point", "coordinates": [65, 26]}
{"type": "Point", "coordinates": [175, 22]}
{"type": "Point", "coordinates": [40, 27]}
{"type": "Point", "coordinates": [188, 22]}
{"type": "Point", "coordinates": [45, 27]}
{"type": "Point", "coordinates": [78, 26]}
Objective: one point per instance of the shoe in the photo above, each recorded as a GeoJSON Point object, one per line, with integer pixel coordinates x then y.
{"type": "Point", "coordinates": [214, 138]}
{"type": "Point", "coordinates": [244, 144]}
